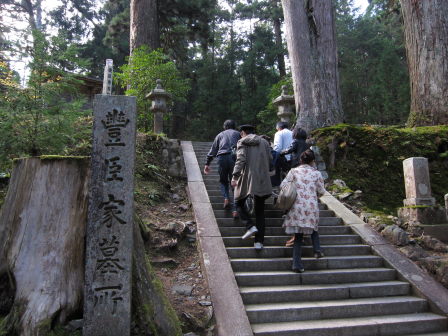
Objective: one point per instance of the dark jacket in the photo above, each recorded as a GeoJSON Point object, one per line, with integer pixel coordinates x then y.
{"type": "Point", "coordinates": [223, 144]}
{"type": "Point", "coordinates": [298, 146]}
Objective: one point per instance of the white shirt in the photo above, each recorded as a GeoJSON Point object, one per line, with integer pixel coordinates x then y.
{"type": "Point", "coordinates": [282, 141]}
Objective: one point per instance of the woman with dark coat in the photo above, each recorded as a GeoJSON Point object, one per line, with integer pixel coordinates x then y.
{"type": "Point", "coordinates": [297, 147]}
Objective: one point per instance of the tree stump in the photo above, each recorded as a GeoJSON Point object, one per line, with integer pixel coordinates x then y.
{"type": "Point", "coordinates": [42, 231]}
{"type": "Point", "coordinates": [42, 228]}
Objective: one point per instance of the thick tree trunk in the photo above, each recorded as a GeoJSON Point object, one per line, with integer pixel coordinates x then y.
{"type": "Point", "coordinates": [42, 227]}
{"type": "Point", "coordinates": [310, 35]}
{"type": "Point", "coordinates": [144, 24]}
{"type": "Point", "coordinates": [426, 35]}
{"type": "Point", "coordinates": [42, 242]}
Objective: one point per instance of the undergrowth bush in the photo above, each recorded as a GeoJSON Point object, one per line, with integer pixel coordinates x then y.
{"type": "Point", "coordinates": [371, 159]}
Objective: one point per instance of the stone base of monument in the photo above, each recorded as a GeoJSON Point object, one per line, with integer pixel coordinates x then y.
{"type": "Point", "coordinates": [431, 219]}
{"type": "Point", "coordinates": [439, 231]}
{"type": "Point", "coordinates": [423, 214]}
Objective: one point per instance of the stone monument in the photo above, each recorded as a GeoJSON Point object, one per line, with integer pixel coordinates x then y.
{"type": "Point", "coordinates": [419, 206]}
{"type": "Point", "coordinates": [416, 181]}
{"type": "Point", "coordinates": [109, 234]}
{"type": "Point", "coordinates": [159, 99]}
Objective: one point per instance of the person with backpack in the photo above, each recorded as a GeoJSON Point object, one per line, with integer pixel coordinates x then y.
{"type": "Point", "coordinates": [297, 147]}
{"type": "Point", "coordinates": [303, 217]}
{"type": "Point", "coordinates": [222, 149]}
{"type": "Point", "coordinates": [251, 179]}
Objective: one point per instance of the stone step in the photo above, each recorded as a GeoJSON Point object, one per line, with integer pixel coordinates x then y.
{"type": "Point", "coordinates": [378, 282]}
{"type": "Point", "coordinates": [278, 278]}
{"type": "Point", "coordinates": [274, 222]}
{"type": "Point", "coordinates": [279, 231]}
{"type": "Point", "coordinates": [307, 251]}
{"type": "Point", "coordinates": [334, 309]}
{"type": "Point", "coordinates": [269, 213]}
{"type": "Point", "coordinates": [310, 263]}
{"type": "Point", "coordinates": [269, 206]}
{"type": "Point", "coordinates": [217, 202]}
{"type": "Point", "coordinates": [285, 264]}
{"type": "Point", "coordinates": [360, 326]}
{"type": "Point", "coordinates": [280, 240]}
{"type": "Point", "coordinates": [443, 333]}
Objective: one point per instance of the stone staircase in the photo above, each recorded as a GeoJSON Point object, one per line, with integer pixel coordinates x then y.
{"type": "Point", "coordinates": [350, 291]}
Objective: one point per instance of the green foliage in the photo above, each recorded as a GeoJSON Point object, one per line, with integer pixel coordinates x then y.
{"type": "Point", "coordinates": [46, 328]}
{"type": "Point", "coordinates": [141, 73]}
{"type": "Point", "coordinates": [110, 39]}
{"type": "Point", "coordinates": [232, 82]}
{"type": "Point", "coordinates": [268, 117]}
{"type": "Point", "coordinates": [371, 159]}
{"type": "Point", "coordinates": [44, 117]}
{"type": "Point", "coordinates": [372, 65]}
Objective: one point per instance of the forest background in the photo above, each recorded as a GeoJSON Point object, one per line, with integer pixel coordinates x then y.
{"type": "Point", "coordinates": [215, 69]}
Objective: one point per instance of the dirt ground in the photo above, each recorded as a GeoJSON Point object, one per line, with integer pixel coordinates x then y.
{"type": "Point", "coordinates": [174, 255]}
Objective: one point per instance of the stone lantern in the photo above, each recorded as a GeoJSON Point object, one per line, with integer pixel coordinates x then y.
{"type": "Point", "coordinates": [285, 105]}
{"type": "Point", "coordinates": [159, 99]}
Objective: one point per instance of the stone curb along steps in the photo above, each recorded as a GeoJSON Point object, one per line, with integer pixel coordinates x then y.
{"type": "Point", "coordinates": [363, 285]}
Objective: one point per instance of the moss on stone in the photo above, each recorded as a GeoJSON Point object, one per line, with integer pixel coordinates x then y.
{"type": "Point", "coordinates": [371, 158]}
{"type": "Point", "coordinates": [52, 158]}
{"type": "Point", "coordinates": [416, 207]}
{"type": "Point", "coordinates": [45, 328]}
{"type": "Point", "coordinates": [169, 311]}
{"type": "Point", "coordinates": [61, 157]}
{"type": "Point", "coordinates": [8, 324]}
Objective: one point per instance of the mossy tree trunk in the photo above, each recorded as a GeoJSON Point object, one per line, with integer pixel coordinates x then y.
{"type": "Point", "coordinates": [42, 227]}
{"type": "Point", "coordinates": [311, 38]}
{"type": "Point", "coordinates": [42, 242]}
{"type": "Point", "coordinates": [426, 35]}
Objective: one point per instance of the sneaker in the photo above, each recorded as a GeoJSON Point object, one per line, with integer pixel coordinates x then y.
{"type": "Point", "coordinates": [250, 232]}
{"type": "Point", "coordinates": [235, 215]}
{"type": "Point", "coordinates": [318, 254]}
{"type": "Point", "coordinates": [226, 204]}
{"type": "Point", "coordinates": [298, 270]}
{"type": "Point", "coordinates": [258, 246]}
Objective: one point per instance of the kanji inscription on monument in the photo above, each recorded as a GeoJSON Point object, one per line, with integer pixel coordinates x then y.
{"type": "Point", "coordinates": [107, 298]}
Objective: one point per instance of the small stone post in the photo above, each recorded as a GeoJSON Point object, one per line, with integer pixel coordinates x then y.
{"type": "Point", "coordinates": [446, 206]}
{"type": "Point", "coordinates": [285, 105]}
{"type": "Point", "coordinates": [417, 185]}
{"type": "Point", "coordinates": [159, 99]}
{"type": "Point", "coordinates": [419, 205]}
{"type": "Point", "coordinates": [107, 79]}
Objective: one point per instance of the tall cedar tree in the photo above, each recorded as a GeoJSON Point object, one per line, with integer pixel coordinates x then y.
{"type": "Point", "coordinates": [311, 39]}
{"type": "Point", "coordinates": [144, 24]}
{"type": "Point", "coordinates": [426, 33]}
